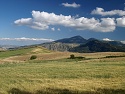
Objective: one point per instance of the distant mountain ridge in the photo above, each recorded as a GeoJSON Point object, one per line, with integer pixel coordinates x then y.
{"type": "Point", "coordinates": [6, 47]}
{"type": "Point", "coordinates": [79, 44]}
{"type": "Point", "coordinates": [76, 44]}
{"type": "Point", "coordinates": [75, 39]}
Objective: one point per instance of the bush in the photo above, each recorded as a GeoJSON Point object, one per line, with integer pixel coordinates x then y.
{"type": "Point", "coordinates": [33, 57]}
{"type": "Point", "coordinates": [72, 56]}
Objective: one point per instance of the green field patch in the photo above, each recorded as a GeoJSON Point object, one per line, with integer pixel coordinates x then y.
{"type": "Point", "coordinates": [23, 51]}
{"type": "Point", "coordinates": [17, 52]}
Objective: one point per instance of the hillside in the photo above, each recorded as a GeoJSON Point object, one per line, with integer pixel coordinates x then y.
{"type": "Point", "coordinates": [115, 43]}
{"type": "Point", "coordinates": [58, 46]}
{"type": "Point", "coordinates": [97, 46]}
{"type": "Point", "coordinates": [21, 53]}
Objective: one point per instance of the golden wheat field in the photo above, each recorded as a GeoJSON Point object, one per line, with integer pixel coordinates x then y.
{"type": "Point", "coordinates": [55, 73]}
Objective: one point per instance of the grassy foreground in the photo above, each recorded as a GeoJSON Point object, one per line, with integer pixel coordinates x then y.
{"type": "Point", "coordinates": [64, 76]}
{"type": "Point", "coordinates": [53, 73]}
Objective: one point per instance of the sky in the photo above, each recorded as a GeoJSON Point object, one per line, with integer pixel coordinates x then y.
{"type": "Point", "coordinates": [25, 22]}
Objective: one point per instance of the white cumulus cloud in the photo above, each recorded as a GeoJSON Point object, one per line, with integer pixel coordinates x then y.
{"type": "Point", "coordinates": [107, 39]}
{"type": "Point", "coordinates": [43, 20]}
{"type": "Point", "coordinates": [106, 25]}
{"type": "Point", "coordinates": [102, 12]}
{"type": "Point", "coordinates": [121, 22]}
{"type": "Point", "coordinates": [23, 21]}
{"type": "Point", "coordinates": [73, 5]}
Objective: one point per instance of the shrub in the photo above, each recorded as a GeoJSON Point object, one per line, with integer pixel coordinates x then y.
{"type": "Point", "coordinates": [72, 56]}
{"type": "Point", "coordinates": [33, 57]}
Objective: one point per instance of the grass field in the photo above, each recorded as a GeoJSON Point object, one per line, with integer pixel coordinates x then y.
{"type": "Point", "coordinates": [95, 74]}
{"type": "Point", "coordinates": [23, 51]}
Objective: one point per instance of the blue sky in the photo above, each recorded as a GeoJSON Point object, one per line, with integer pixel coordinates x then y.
{"type": "Point", "coordinates": [36, 21]}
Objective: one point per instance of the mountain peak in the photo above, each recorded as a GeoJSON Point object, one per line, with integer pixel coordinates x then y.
{"type": "Point", "coordinates": [78, 36]}
{"type": "Point", "coordinates": [76, 39]}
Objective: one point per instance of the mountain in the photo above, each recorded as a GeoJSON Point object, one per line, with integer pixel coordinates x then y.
{"type": "Point", "coordinates": [97, 46]}
{"type": "Point", "coordinates": [65, 44]}
{"type": "Point", "coordinates": [75, 39]}
{"type": "Point", "coordinates": [79, 44]}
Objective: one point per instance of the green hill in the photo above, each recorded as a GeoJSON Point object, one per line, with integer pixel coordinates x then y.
{"type": "Point", "coordinates": [23, 51]}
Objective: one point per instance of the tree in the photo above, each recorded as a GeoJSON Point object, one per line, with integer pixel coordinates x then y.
{"type": "Point", "coordinates": [33, 57]}
{"type": "Point", "coordinates": [72, 56]}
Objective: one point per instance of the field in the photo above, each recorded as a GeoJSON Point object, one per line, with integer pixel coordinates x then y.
{"type": "Point", "coordinates": [54, 73]}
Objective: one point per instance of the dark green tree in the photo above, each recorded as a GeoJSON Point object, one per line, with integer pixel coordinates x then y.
{"type": "Point", "coordinates": [72, 56]}
{"type": "Point", "coordinates": [33, 57]}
